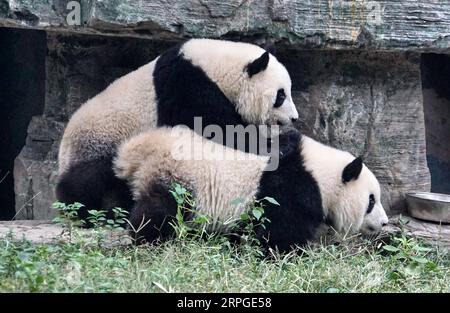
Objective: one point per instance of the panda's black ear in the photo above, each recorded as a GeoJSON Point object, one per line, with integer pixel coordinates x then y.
{"type": "Point", "coordinates": [259, 65]}
{"type": "Point", "coordinates": [352, 170]}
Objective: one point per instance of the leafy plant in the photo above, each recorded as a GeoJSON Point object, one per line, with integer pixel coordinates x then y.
{"type": "Point", "coordinates": [68, 217]}
{"type": "Point", "coordinates": [255, 218]}
{"type": "Point", "coordinates": [119, 219]}
{"type": "Point", "coordinates": [195, 227]}
{"type": "Point", "coordinates": [102, 225]}
{"type": "Point", "coordinates": [198, 226]}
{"type": "Point", "coordinates": [411, 255]}
{"type": "Point", "coordinates": [256, 212]}
{"type": "Point", "coordinates": [99, 220]}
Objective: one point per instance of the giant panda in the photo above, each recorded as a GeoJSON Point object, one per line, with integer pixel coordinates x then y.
{"type": "Point", "coordinates": [313, 183]}
{"type": "Point", "coordinates": [223, 82]}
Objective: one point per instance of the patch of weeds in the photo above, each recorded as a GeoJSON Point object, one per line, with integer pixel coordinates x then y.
{"type": "Point", "coordinates": [190, 224]}
{"type": "Point", "coordinates": [254, 219]}
{"type": "Point", "coordinates": [411, 257]}
{"type": "Point", "coordinates": [70, 221]}
{"type": "Point", "coordinates": [187, 228]}
{"type": "Point", "coordinates": [25, 262]}
{"type": "Point", "coordinates": [102, 225]}
{"type": "Point", "coordinates": [68, 217]}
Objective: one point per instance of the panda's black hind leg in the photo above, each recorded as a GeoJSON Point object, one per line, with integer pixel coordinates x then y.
{"type": "Point", "coordinates": [88, 183]}
{"type": "Point", "coordinates": [152, 215]}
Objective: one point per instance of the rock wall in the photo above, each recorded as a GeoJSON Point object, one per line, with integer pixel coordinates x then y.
{"type": "Point", "coordinates": [355, 66]}
{"type": "Point", "coordinates": [403, 25]}
{"type": "Point", "coordinates": [367, 102]}
{"type": "Point", "coordinates": [77, 68]}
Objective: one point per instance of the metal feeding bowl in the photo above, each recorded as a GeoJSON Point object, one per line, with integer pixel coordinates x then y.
{"type": "Point", "coordinates": [429, 206]}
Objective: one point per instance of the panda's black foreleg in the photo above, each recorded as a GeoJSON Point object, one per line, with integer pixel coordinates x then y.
{"type": "Point", "coordinates": [87, 183]}
{"type": "Point", "coordinates": [153, 215]}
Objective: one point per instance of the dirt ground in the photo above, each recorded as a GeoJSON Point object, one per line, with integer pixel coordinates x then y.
{"type": "Point", "coordinates": [37, 231]}
{"type": "Point", "coordinates": [42, 231]}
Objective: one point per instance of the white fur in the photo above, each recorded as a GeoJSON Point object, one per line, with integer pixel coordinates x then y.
{"type": "Point", "coordinates": [125, 108]}
{"type": "Point", "coordinates": [148, 158]}
{"type": "Point", "coordinates": [225, 63]}
{"type": "Point", "coordinates": [347, 202]}
{"type": "Point", "coordinates": [128, 106]}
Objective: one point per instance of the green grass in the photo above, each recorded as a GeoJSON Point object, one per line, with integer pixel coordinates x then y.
{"type": "Point", "coordinates": [186, 265]}
{"type": "Point", "coordinates": [90, 261]}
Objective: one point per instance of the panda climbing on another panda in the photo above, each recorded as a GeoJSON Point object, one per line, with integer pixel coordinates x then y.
{"type": "Point", "coordinates": [313, 183]}
{"type": "Point", "coordinates": [223, 82]}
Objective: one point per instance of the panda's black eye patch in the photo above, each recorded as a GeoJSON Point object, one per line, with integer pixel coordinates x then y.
{"type": "Point", "coordinates": [281, 96]}
{"type": "Point", "coordinates": [371, 204]}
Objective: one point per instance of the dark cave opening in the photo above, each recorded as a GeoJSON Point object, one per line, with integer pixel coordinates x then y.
{"type": "Point", "coordinates": [436, 101]}
{"type": "Point", "coordinates": [22, 95]}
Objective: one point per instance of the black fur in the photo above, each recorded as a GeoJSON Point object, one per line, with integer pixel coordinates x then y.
{"type": "Point", "coordinates": [352, 170]}
{"type": "Point", "coordinates": [289, 142]}
{"type": "Point", "coordinates": [88, 182]}
{"type": "Point", "coordinates": [184, 91]}
{"type": "Point", "coordinates": [258, 65]}
{"type": "Point", "coordinates": [300, 213]}
{"type": "Point", "coordinates": [292, 223]}
{"type": "Point", "coordinates": [157, 208]}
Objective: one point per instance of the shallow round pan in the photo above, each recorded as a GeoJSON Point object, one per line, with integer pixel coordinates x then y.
{"type": "Point", "coordinates": [429, 206]}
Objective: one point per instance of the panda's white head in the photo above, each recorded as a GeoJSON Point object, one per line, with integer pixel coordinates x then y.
{"type": "Point", "coordinates": [357, 205]}
{"type": "Point", "coordinates": [350, 192]}
{"type": "Point", "coordinates": [269, 85]}
{"type": "Point", "coordinates": [249, 76]}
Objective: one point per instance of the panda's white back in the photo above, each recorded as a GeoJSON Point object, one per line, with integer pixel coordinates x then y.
{"type": "Point", "coordinates": [128, 103]}
{"type": "Point", "coordinates": [222, 176]}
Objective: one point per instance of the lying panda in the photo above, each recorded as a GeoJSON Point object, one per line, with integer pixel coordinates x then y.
{"type": "Point", "coordinates": [312, 183]}
{"type": "Point", "coordinates": [225, 83]}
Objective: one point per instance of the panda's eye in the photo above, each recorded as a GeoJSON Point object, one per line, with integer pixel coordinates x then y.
{"type": "Point", "coordinates": [281, 96]}
{"type": "Point", "coordinates": [371, 204]}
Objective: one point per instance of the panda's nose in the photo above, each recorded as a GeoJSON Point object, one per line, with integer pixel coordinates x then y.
{"type": "Point", "coordinates": [294, 119]}
{"type": "Point", "coordinates": [384, 224]}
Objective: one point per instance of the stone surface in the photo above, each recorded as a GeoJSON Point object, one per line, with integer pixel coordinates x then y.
{"type": "Point", "coordinates": [35, 170]}
{"type": "Point", "coordinates": [365, 102]}
{"type": "Point", "coordinates": [332, 24]}
{"type": "Point", "coordinates": [44, 231]}
{"type": "Point", "coordinates": [433, 233]}
{"type": "Point", "coordinates": [77, 67]}
{"type": "Point", "coordinates": [369, 104]}
{"type": "Point", "coordinates": [37, 231]}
